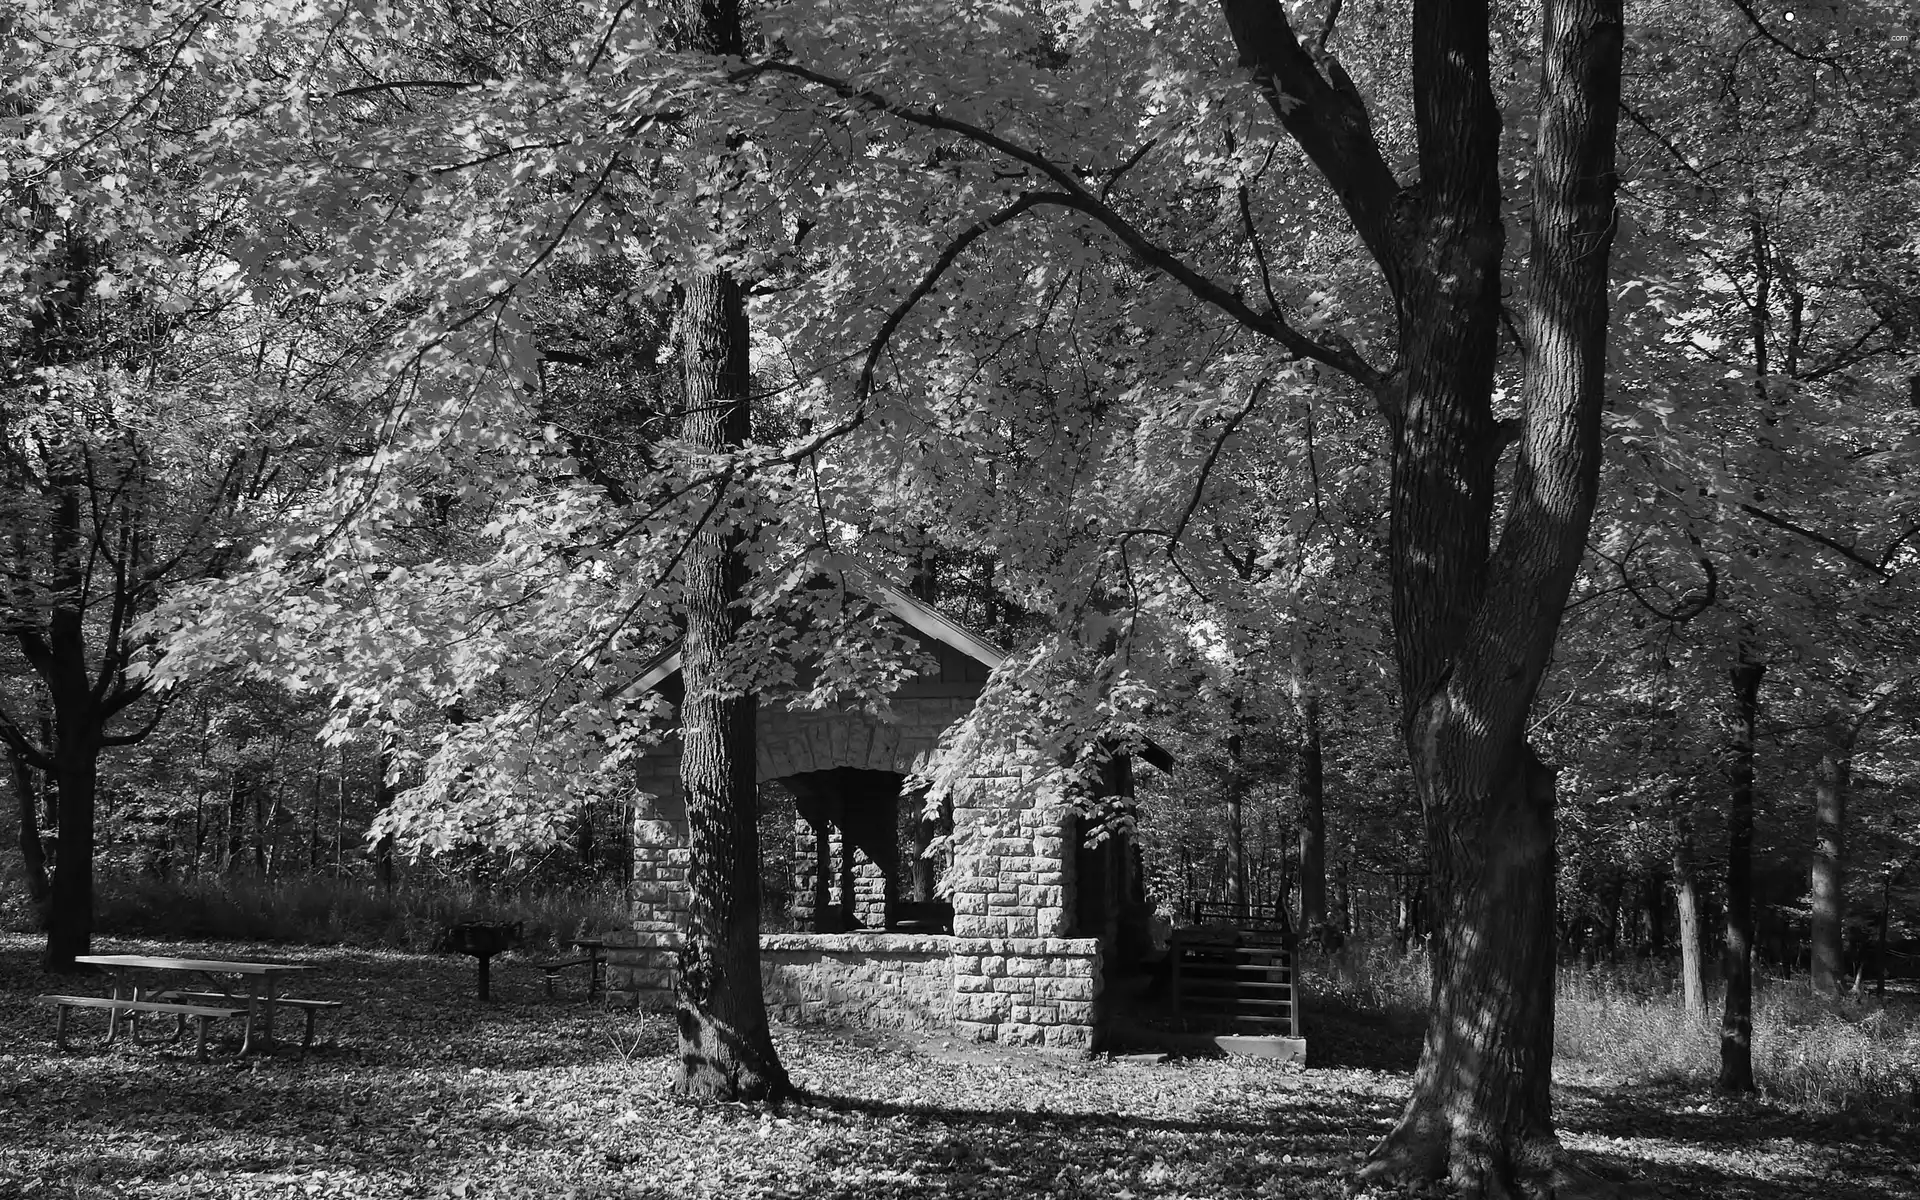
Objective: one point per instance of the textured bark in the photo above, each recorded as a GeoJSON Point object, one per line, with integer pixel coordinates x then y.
{"type": "Point", "coordinates": [1686, 906]}
{"type": "Point", "coordinates": [1828, 877]}
{"type": "Point", "coordinates": [726, 1050]}
{"type": "Point", "coordinates": [1474, 630]}
{"type": "Point", "coordinates": [70, 914]}
{"type": "Point", "coordinates": [1310, 788]}
{"type": "Point", "coordinates": [1736, 1018]}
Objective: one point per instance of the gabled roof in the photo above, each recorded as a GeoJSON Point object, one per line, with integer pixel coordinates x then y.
{"type": "Point", "coordinates": [916, 614]}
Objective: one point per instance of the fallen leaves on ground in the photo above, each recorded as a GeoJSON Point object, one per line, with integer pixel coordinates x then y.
{"type": "Point", "coordinates": [423, 1091]}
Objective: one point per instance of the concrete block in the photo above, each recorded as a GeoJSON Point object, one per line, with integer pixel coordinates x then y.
{"type": "Point", "coordinates": [1057, 989]}
{"type": "Point", "coordinates": [982, 1006]}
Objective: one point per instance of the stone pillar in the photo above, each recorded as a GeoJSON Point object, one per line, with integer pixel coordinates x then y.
{"type": "Point", "coordinates": [810, 873]}
{"type": "Point", "coordinates": [640, 963]}
{"type": "Point", "coordinates": [1010, 862]}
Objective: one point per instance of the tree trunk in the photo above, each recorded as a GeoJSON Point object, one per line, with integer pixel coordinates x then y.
{"type": "Point", "coordinates": [1653, 908]}
{"type": "Point", "coordinates": [313, 816]}
{"type": "Point", "coordinates": [1310, 786]}
{"type": "Point", "coordinates": [236, 822]}
{"type": "Point", "coordinates": [1828, 882]}
{"type": "Point", "coordinates": [199, 830]}
{"type": "Point", "coordinates": [33, 856]}
{"type": "Point", "coordinates": [726, 1050]}
{"type": "Point", "coordinates": [265, 800]}
{"type": "Point", "coordinates": [1340, 907]}
{"type": "Point", "coordinates": [1686, 905]}
{"type": "Point", "coordinates": [1474, 630]}
{"type": "Point", "coordinates": [340, 819]}
{"type": "Point", "coordinates": [584, 843]}
{"type": "Point", "coordinates": [1736, 1019]}
{"type": "Point", "coordinates": [1236, 861]}
{"type": "Point", "coordinates": [1886, 914]}
{"type": "Point", "coordinates": [70, 913]}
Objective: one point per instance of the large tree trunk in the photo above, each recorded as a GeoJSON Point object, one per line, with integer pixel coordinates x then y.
{"type": "Point", "coordinates": [1480, 1113]}
{"type": "Point", "coordinates": [1686, 905]}
{"type": "Point", "coordinates": [1736, 1019]}
{"type": "Point", "coordinates": [1473, 631]}
{"type": "Point", "coordinates": [1310, 787]}
{"type": "Point", "coordinates": [1828, 874]}
{"type": "Point", "coordinates": [726, 1049]}
{"type": "Point", "coordinates": [70, 914]}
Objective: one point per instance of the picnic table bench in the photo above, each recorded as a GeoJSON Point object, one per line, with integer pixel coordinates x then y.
{"type": "Point", "coordinates": [311, 1009]}
{"type": "Point", "coordinates": [204, 1014]}
{"type": "Point", "coordinates": [239, 989]}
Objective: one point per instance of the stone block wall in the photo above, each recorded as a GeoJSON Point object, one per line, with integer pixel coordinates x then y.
{"type": "Point", "coordinates": [661, 843]}
{"type": "Point", "coordinates": [1011, 876]}
{"type": "Point", "coordinates": [869, 980]}
{"type": "Point", "coordinates": [640, 968]}
{"type": "Point", "coordinates": [1012, 991]}
{"type": "Point", "coordinates": [1027, 991]}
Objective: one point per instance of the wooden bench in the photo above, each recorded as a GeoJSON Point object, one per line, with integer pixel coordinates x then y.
{"type": "Point", "coordinates": [310, 1008]}
{"type": "Point", "coordinates": [204, 1014]}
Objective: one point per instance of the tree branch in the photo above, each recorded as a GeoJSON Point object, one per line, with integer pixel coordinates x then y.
{"type": "Point", "coordinates": [16, 740]}
{"type": "Point", "coordinates": [141, 734]}
{"type": "Point", "coordinates": [1206, 468]}
{"type": "Point", "coordinates": [1076, 195]}
{"type": "Point", "coordinates": [1821, 539]}
{"type": "Point", "coordinates": [1753, 19]}
{"type": "Point", "coordinates": [1690, 606]}
{"type": "Point", "coordinates": [1329, 120]}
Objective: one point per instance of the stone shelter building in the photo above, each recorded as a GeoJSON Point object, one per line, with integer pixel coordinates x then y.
{"type": "Point", "coordinates": [1035, 921]}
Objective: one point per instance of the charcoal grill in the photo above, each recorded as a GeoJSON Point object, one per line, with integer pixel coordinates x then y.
{"type": "Point", "coordinates": [483, 940]}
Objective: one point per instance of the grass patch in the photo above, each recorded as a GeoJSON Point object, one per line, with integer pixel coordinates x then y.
{"type": "Point", "coordinates": [1628, 1027]}
{"type": "Point", "coordinates": [1824, 1055]}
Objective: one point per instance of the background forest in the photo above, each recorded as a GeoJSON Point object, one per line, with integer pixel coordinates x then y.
{"type": "Point", "coordinates": [346, 488]}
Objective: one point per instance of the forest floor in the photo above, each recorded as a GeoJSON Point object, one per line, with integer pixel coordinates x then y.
{"type": "Point", "coordinates": [428, 1093]}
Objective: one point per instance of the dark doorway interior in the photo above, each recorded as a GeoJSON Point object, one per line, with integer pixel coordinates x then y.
{"type": "Point", "coordinates": [856, 857]}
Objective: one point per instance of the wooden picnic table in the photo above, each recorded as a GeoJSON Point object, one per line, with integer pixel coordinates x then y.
{"type": "Point", "coordinates": [257, 983]}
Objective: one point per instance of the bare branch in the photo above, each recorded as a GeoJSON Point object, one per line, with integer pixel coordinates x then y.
{"type": "Point", "coordinates": [1753, 18]}
{"type": "Point", "coordinates": [1845, 551]}
{"type": "Point", "coordinates": [401, 85]}
{"type": "Point", "coordinates": [1076, 195]}
{"type": "Point", "coordinates": [1213, 455]}
{"type": "Point", "coordinates": [1689, 607]}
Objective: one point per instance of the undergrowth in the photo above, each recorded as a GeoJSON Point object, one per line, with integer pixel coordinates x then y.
{"type": "Point", "coordinates": [322, 911]}
{"type": "Point", "coordinates": [1628, 1025]}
